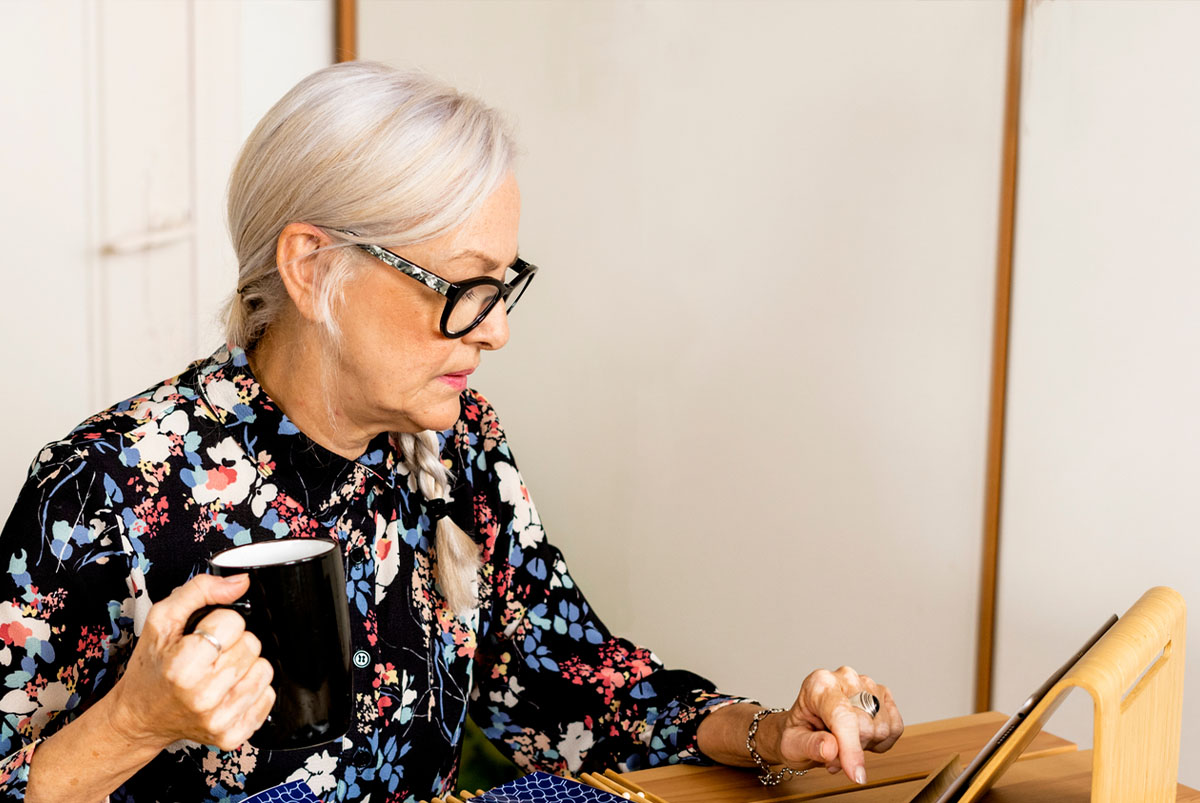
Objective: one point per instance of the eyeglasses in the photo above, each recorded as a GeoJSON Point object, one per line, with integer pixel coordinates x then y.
{"type": "Point", "coordinates": [469, 302]}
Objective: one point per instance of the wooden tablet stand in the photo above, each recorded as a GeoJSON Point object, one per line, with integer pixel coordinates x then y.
{"type": "Point", "coordinates": [1135, 677]}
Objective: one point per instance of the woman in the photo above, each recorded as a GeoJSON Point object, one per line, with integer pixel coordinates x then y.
{"type": "Point", "coordinates": [374, 215]}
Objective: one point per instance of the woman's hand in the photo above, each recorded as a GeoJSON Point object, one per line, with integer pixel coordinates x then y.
{"type": "Point", "coordinates": [179, 686]}
{"type": "Point", "coordinates": [823, 726]}
{"type": "Point", "coordinates": [175, 687]}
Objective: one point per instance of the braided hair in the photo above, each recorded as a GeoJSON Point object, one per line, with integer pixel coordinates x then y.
{"type": "Point", "coordinates": [456, 556]}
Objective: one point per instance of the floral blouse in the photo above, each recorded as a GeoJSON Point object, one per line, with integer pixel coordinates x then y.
{"type": "Point", "coordinates": [133, 502]}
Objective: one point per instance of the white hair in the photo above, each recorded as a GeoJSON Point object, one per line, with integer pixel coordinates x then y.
{"type": "Point", "coordinates": [398, 158]}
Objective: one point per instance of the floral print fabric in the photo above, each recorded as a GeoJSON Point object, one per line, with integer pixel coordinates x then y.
{"type": "Point", "coordinates": [134, 501]}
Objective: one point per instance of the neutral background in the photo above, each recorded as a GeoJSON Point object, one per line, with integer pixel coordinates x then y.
{"type": "Point", "coordinates": [749, 387]}
{"type": "Point", "coordinates": [1102, 477]}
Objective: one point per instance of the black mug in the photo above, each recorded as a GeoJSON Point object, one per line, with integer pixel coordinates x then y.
{"type": "Point", "coordinates": [296, 606]}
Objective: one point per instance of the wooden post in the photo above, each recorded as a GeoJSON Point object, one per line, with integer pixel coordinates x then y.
{"type": "Point", "coordinates": [345, 30]}
{"type": "Point", "coordinates": [985, 654]}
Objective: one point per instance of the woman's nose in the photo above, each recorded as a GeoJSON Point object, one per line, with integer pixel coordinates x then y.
{"type": "Point", "coordinates": [492, 331]}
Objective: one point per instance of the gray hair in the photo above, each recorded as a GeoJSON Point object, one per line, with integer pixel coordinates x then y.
{"type": "Point", "coordinates": [395, 156]}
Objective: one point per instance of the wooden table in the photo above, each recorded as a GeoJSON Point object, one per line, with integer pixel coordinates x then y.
{"type": "Point", "coordinates": [1052, 770]}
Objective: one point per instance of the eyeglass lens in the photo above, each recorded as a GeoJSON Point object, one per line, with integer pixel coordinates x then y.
{"type": "Point", "coordinates": [474, 304]}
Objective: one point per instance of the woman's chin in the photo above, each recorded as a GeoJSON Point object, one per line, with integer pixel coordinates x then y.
{"type": "Point", "coordinates": [437, 419]}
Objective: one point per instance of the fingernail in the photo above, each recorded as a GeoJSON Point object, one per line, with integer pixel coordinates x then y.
{"type": "Point", "coordinates": [860, 775]}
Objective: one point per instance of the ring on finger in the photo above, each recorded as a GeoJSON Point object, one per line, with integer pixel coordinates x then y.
{"type": "Point", "coordinates": [866, 701]}
{"type": "Point", "coordinates": [211, 639]}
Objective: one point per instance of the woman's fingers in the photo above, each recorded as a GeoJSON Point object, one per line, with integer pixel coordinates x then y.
{"type": "Point", "coordinates": [880, 732]}
{"type": "Point", "coordinates": [889, 713]}
{"type": "Point", "coordinates": [256, 714]}
{"type": "Point", "coordinates": [824, 707]}
{"type": "Point", "coordinates": [168, 616]}
{"type": "Point", "coordinates": [877, 733]}
{"type": "Point", "coordinates": [233, 673]}
{"type": "Point", "coordinates": [228, 697]}
{"type": "Point", "coordinates": [243, 708]}
{"type": "Point", "coordinates": [194, 657]}
{"type": "Point", "coordinates": [224, 626]}
{"type": "Point", "coordinates": [843, 722]}
{"type": "Point", "coordinates": [813, 745]}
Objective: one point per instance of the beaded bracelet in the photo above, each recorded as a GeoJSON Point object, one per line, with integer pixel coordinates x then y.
{"type": "Point", "coordinates": [768, 778]}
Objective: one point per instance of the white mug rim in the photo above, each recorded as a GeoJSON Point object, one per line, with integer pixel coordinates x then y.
{"type": "Point", "coordinates": [325, 547]}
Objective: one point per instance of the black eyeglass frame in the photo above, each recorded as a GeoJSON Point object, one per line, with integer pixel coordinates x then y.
{"type": "Point", "coordinates": [454, 290]}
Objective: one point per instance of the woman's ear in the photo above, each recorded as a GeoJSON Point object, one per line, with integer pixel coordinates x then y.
{"type": "Point", "coordinates": [298, 268]}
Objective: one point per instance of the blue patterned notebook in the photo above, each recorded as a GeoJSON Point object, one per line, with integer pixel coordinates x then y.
{"type": "Point", "coordinates": [293, 792]}
{"type": "Point", "coordinates": [539, 787]}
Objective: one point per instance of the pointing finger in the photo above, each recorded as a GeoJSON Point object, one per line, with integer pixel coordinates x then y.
{"type": "Point", "coordinates": [843, 723]}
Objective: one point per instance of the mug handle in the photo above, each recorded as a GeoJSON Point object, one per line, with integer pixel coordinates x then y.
{"type": "Point", "coordinates": [242, 606]}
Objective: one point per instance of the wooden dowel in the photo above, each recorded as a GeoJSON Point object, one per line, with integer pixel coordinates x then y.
{"type": "Point", "coordinates": [625, 790]}
{"type": "Point", "coordinates": [591, 779]}
{"type": "Point", "coordinates": [616, 778]}
{"type": "Point", "coordinates": [640, 791]}
{"type": "Point", "coordinates": [452, 799]}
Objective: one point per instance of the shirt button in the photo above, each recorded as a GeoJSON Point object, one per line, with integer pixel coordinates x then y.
{"type": "Point", "coordinates": [361, 659]}
{"type": "Point", "coordinates": [363, 757]}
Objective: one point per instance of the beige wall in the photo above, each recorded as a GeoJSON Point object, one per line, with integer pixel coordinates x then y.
{"type": "Point", "coordinates": [748, 388]}
{"type": "Point", "coordinates": [122, 121]}
{"type": "Point", "coordinates": [1102, 470]}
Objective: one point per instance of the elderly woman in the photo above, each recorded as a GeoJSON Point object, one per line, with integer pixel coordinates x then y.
{"type": "Point", "coordinates": [374, 214]}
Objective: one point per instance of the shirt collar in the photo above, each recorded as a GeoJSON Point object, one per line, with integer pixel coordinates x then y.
{"type": "Point", "coordinates": [306, 470]}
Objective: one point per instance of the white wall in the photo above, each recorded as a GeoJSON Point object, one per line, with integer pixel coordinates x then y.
{"type": "Point", "coordinates": [1102, 468]}
{"type": "Point", "coordinates": [122, 120]}
{"type": "Point", "coordinates": [749, 387]}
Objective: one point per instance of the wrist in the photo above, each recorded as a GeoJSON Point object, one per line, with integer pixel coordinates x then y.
{"type": "Point", "coordinates": [89, 757]}
{"type": "Point", "coordinates": [771, 736]}
{"type": "Point", "coordinates": [768, 736]}
{"type": "Point", "coordinates": [125, 724]}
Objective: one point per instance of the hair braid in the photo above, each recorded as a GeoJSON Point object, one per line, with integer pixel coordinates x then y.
{"type": "Point", "coordinates": [455, 555]}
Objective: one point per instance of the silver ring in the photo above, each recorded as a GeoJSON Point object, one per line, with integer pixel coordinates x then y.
{"type": "Point", "coordinates": [210, 638]}
{"type": "Point", "coordinates": [867, 702]}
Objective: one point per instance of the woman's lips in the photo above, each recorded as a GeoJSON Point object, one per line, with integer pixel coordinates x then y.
{"type": "Point", "coordinates": [458, 379]}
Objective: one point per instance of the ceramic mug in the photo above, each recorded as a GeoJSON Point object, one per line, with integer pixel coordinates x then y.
{"type": "Point", "coordinates": [296, 606]}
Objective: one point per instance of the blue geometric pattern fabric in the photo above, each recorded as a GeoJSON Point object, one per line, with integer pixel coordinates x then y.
{"type": "Point", "coordinates": [540, 787]}
{"type": "Point", "coordinates": [294, 792]}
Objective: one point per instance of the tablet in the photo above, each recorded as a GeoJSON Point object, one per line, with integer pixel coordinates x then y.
{"type": "Point", "coordinates": [985, 756]}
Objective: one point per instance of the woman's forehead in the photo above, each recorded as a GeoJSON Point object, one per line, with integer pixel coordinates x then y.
{"type": "Point", "coordinates": [488, 238]}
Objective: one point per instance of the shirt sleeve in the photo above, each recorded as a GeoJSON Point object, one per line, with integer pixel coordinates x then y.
{"type": "Point", "coordinates": [554, 687]}
{"type": "Point", "coordinates": [66, 606]}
